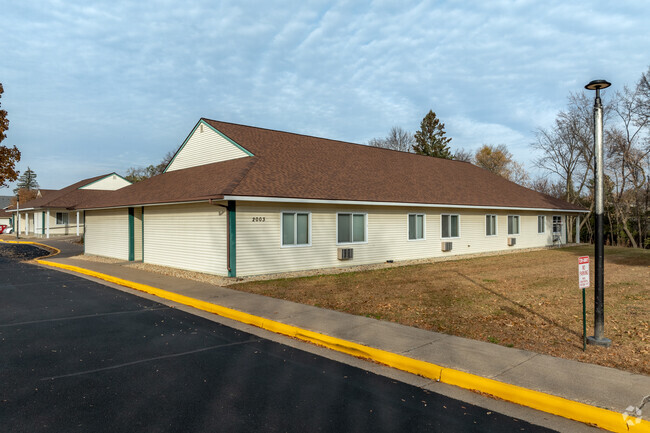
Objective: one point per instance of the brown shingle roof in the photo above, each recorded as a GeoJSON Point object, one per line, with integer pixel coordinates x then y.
{"type": "Point", "coordinates": [288, 165]}
{"type": "Point", "coordinates": [191, 184]}
{"type": "Point", "coordinates": [66, 198]}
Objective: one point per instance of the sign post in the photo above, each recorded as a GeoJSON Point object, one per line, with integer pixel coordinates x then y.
{"type": "Point", "coordinates": [583, 283]}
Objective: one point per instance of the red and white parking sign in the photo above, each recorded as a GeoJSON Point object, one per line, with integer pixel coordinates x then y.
{"type": "Point", "coordinates": [583, 272]}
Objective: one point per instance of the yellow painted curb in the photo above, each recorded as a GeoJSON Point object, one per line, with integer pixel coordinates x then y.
{"type": "Point", "coordinates": [603, 418]}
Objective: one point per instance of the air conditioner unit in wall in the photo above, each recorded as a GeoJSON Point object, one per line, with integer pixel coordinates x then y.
{"type": "Point", "coordinates": [345, 253]}
{"type": "Point", "coordinates": [512, 242]}
{"type": "Point", "coordinates": [446, 246]}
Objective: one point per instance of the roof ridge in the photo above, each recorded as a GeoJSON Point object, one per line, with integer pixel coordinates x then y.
{"type": "Point", "coordinates": [365, 146]}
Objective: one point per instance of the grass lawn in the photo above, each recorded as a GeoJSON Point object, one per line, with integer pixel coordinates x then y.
{"type": "Point", "coordinates": [528, 300]}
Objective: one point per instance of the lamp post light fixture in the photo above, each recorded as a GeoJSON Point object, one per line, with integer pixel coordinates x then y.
{"type": "Point", "coordinates": [599, 312]}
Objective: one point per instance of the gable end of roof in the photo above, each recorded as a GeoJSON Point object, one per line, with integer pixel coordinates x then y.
{"type": "Point", "coordinates": [200, 123]}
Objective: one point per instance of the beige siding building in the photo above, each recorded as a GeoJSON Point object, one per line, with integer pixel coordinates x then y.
{"type": "Point", "coordinates": [238, 201]}
{"type": "Point", "coordinates": [56, 213]}
{"type": "Point", "coordinates": [260, 249]}
{"type": "Point", "coordinates": [107, 233]}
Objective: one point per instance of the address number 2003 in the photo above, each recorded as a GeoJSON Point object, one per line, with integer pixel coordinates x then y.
{"type": "Point", "coordinates": [259, 219]}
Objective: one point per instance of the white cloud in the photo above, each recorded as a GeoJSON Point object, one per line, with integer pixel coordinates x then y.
{"type": "Point", "coordinates": [102, 78]}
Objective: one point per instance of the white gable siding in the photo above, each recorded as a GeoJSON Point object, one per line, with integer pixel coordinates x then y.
{"type": "Point", "coordinates": [205, 146]}
{"type": "Point", "coordinates": [259, 249]}
{"type": "Point", "coordinates": [107, 233]}
{"type": "Point", "coordinates": [111, 182]}
{"type": "Point", "coordinates": [191, 237]}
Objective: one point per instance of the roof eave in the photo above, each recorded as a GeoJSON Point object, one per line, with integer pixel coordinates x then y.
{"type": "Point", "coordinates": [153, 203]}
{"type": "Point", "coordinates": [392, 204]}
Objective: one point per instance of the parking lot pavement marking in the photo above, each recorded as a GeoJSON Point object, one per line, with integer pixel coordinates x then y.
{"type": "Point", "coordinates": [86, 316]}
{"type": "Point", "coordinates": [155, 358]}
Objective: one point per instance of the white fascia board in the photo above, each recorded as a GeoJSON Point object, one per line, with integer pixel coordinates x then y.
{"type": "Point", "coordinates": [383, 203]}
{"type": "Point", "coordinates": [148, 204]}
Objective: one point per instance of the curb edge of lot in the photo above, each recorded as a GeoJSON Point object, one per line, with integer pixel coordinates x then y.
{"type": "Point", "coordinates": [582, 412]}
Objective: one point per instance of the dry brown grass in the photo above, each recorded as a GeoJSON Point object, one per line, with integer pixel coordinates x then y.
{"type": "Point", "coordinates": [529, 301]}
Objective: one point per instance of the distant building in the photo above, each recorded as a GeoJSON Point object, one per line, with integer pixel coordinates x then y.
{"type": "Point", "coordinates": [53, 212]}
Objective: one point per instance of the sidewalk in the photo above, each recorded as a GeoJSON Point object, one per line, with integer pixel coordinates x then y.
{"type": "Point", "coordinates": [594, 385]}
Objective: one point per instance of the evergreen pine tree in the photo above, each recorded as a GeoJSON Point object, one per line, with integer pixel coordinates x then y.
{"type": "Point", "coordinates": [27, 181]}
{"type": "Point", "coordinates": [430, 140]}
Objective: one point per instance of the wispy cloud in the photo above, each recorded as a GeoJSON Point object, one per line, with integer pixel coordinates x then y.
{"type": "Point", "coordinates": [94, 81]}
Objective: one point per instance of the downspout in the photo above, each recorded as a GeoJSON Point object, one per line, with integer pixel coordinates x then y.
{"type": "Point", "coordinates": [228, 209]}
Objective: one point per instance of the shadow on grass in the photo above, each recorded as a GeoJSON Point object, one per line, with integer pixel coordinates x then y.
{"type": "Point", "coordinates": [523, 307]}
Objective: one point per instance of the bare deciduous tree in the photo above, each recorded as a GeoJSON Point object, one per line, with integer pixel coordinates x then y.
{"type": "Point", "coordinates": [627, 151]}
{"type": "Point", "coordinates": [567, 152]}
{"type": "Point", "coordinates": [137, 174]}
{"type": "Point", "coordinates": [397, 139]}
{"type": "Point", "coordinates": [566, 148]}
{"type": "Point", "coordinates": [464, 155]}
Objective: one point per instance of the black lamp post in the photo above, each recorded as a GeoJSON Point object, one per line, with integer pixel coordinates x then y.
{"type": "Point", "coordinates": [599, 293]}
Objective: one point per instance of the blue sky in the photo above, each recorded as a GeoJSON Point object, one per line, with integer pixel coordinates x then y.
{"type": "Point", "coordinates": [93, 87]}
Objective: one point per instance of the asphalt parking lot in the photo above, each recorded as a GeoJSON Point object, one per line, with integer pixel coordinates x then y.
{"type": "Point", "coordinates": [79, 356]}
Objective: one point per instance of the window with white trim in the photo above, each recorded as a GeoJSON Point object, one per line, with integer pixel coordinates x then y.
{"type": "Point", "coordinates": [449, 226]}
{"type": "Point", "coordinates": [351, 228]}
{"type": "Point", "coordinates": [557, 224]}
{"type": "Point", "coordinates": [296, 228]}
{"type": "Point", "coordinates": [61, 218]}
{"type": "Point", "coordinates": [490, 225]}
{"type": "Point", "coordinates": [513, 224]}
{"type": "Point", "coordinates": [541, 224]}
{"type": "Point", "coordinates": [416, 226]}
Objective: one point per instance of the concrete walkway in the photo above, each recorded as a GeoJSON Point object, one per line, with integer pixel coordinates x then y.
{"type": "Point", "coordinates": [587, 383]}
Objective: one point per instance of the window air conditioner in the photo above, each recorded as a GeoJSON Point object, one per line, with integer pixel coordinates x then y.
{"type": "Point", "coordinates": [446, 246]}
{"type": "Point", "coordinates": [512, 242]}
{"type": "Point", "coordinates": [345, 253]}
